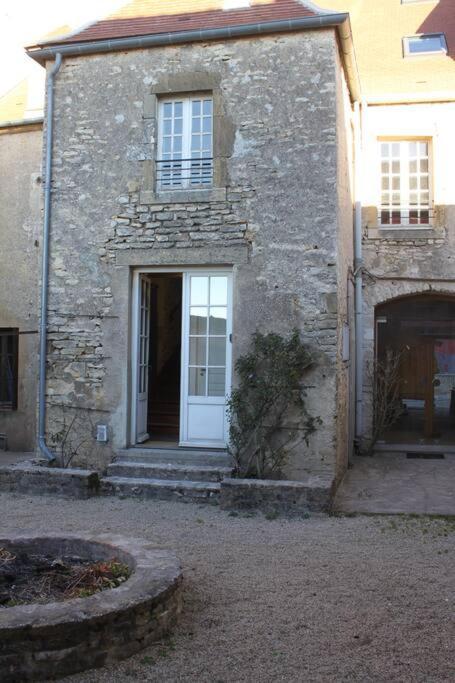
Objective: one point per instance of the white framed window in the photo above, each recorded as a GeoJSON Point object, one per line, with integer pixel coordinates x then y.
{"type": "Point", "coordinates": [405, 183]}
{"type": "Point", "coordinates": [424, 44]}
{"type": "Point", "coordinates": [185, 143]}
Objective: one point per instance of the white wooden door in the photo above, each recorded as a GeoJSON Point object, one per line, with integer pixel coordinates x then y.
{"type": "Point", "coordinates": [143, 356]}
{"type": "Point", "coordinates": [206, 366]}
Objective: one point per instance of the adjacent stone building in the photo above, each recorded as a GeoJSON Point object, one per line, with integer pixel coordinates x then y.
{"type": "Point", "coordinates": [405, 53]}
{"type": "Point", "coordinates": [20, 232]}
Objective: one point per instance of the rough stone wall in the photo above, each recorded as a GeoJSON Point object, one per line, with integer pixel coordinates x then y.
{"type": "Point", "coordinates": [345, 303]}
{"type": "Point", "coordinates": [20, 229]}
{"type": "Point", "coordinates": [273, 215]}
{"type": "Point", "coordinates": [403, 262]}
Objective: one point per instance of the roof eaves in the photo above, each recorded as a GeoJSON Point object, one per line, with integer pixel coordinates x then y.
{"type": "Point", "coordinates": [340, 21]}
{"type": "Point", "coordinates": [20, 123]}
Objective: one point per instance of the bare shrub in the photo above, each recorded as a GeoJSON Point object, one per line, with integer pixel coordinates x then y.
{"type": "Point", "coordinates": [387, 405]}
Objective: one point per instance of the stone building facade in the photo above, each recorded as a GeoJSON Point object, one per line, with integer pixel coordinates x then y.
{"type": "Point", "coordinates": [20, 231]}
{"type": "Point", "coordinates": [278, 218]}
{"type": "Point", "coordinates": [407, 262]}
{"type": "Point", "coordinates": [295, 143]}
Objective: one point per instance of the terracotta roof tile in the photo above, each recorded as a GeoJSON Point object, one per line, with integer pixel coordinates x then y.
{"type": "Point", "coordinates": [143, 17]}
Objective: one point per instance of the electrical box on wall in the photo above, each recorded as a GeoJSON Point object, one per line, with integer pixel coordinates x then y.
{"type": "Point", "coordinates": [101, 433]}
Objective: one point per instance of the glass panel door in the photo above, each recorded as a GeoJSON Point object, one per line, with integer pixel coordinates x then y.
{"type": "Point", "coordinates": [143, 353]}
{"type": "Point", "coordinates": [208, 356]}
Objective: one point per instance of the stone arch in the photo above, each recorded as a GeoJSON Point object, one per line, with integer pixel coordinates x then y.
{"type": "Point", "coordinates": [378, 294]}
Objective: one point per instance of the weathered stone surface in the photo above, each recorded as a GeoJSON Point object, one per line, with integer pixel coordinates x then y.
{"type": "Point", "coordinates": [41, 642]}
{"type": "Point", "coordinates": [68, 483]}
{"type": "Point", "coordinates": [287, 498]}
{"type": "Point", "coordinates": [146, 488]}
{"type": "Point", "coordinates": [275, 215]}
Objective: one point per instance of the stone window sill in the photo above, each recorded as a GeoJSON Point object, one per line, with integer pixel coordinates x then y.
{"type": "Point", "coordinates": [213, 194]}
{"type": "Point", "coordinates": [405, 233]}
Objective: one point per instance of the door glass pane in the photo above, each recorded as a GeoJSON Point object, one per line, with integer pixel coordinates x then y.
{"type": "Point", "coordinates": [218, 291]}
{"type": "Point", "coordinates": [217, 350]}
{"type": "Point", "coordinates": [217, 324]}
{"type": "Point", "coordinates": [199, 291]}
{"type": "Point", "coordinates": [197, 381]}
{"type": "Point", "coordinates": [198, 351]}
{"type": "Point", "coordinates": [198, 320]}
{"type": "Point", "coordinates": [216, 381]}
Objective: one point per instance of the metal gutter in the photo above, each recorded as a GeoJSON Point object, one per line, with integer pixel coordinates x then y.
{"type": "Point", "coordinates": [358, 278]}
{"type": "Point", "coordinates": [44, 448]}
{"type": "Point", "coordinates": [349, 59]}
{"type": "Point", "coordinates": [21, 122]}
{"type": "Point", "coordinates": [340, 21]}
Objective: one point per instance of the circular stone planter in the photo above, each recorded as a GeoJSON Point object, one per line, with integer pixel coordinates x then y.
{"type": "Point", "coordinates": [38, 642]}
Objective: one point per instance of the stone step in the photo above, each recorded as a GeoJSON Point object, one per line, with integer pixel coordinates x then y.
{"type": "Point", "coordinates": [176, 456]}
{"type": "Point", "coordinates": [144, 470]}
{"type": "Point", "coordinates": [161, 489]}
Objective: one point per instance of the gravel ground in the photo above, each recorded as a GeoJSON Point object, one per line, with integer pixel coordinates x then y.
{"type": "Point", "coordinates": [321, 599]}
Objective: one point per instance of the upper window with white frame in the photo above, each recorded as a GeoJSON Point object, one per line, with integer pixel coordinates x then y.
{"type": "Point", "coordinates": [425, 44]}
{"type": "Point", "coordinates": [405, 183]}
{"type": "Point", "coordinates": [185, 143]}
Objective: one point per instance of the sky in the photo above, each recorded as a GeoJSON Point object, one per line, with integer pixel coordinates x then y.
{"type": "Point", "coordinates": [24, 21]}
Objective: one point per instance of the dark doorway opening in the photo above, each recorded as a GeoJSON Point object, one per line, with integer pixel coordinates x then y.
{"type": "Point", "coordinates": [421, 330]}
{"type": "Point", "coordinates": [165, 357]}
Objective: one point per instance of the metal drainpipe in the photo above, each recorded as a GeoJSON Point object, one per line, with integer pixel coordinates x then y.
{"type": "Point", "coordinates": [44, 448]}
{"type": "Point", "coordinates": [358, 271]}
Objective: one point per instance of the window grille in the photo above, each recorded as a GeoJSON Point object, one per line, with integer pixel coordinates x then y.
{"type": "Point", "coordinates": [185, 143]}
{"type": "Point", "coordinates": [405, 184]}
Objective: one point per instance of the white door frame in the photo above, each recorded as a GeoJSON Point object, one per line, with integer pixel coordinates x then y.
{"type": "Point", "coordinates": [185, 358]}
{"type": "Point", "coordinates": [202, 270]}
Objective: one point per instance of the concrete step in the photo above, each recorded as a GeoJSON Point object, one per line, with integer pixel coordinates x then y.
{"type": "Point", "coordinates": [176, 456]}
{"type": "Point", "coordinates": [144, 470]}
{"type": "Point", "coordinates": [161, 489]}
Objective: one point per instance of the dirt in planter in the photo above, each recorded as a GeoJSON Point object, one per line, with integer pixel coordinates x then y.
{"type": "Point", "coordinates": [41, 579]}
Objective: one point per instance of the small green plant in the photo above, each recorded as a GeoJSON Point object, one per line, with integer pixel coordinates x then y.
{"type": "Point", "coordinates": [267, 409]}
{"type": "Point", "coordinates": [270, 516]}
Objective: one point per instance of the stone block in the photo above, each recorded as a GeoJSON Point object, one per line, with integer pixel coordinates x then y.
{"type": "Point", "coordinates": [286, 498]}
{"type": "Point", "coordinates": [37, 480]}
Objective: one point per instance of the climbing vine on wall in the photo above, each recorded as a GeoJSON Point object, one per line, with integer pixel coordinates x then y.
{"type": "Point", "coordinates": [268, 415]}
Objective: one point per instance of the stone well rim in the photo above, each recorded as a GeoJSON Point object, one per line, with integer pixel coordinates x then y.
{"type": "Point", "coordinates": [155, 571]}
